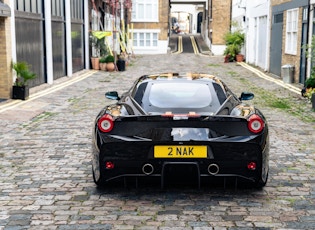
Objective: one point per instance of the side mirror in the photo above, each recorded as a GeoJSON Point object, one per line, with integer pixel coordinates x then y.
{"type": "Point", "coordinates": [245, 96]}
{"type": "Point", "coordinates": [113, 95]}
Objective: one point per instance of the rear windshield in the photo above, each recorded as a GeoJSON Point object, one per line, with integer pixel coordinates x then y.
{"type": "Point", "coordinates": [180, 95]}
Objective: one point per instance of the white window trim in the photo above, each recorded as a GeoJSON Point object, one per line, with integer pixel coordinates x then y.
{"type": "Point", "coordinates": [147, 31]}
{"type": "Point", "coordinates": [291, 31]}
{"type": "Point", "coordinates": [135, 13]}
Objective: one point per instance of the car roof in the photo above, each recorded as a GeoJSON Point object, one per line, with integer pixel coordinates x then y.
{"type": "Point", "coordinates": [142, 89]}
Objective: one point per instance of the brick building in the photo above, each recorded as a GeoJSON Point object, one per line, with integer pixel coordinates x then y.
{"type": "Point", "coordinates": [150, 31]}
{"type": "Point", "coordinates": [219, 24]}
{"type": "Point", "coordinates": [214, 21]}
{"type": "Point", "coordinates": [287, 45]}
{"type": "Point", "coordinates": [5, 50]}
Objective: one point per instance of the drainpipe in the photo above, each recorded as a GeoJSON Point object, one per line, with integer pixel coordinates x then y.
{"type": "Point", "coordinates": [310, 36]}
{"type": "Point", "coordinates": [68, 38]}
{"type": "Point", "coordinates": [86, 35]}
{"type": "Point", "coordinates": [48, 40]}
{"type": "Point", "coordinates": [231, 12]}
{"type": "Point", "coordinates": [12, 24]}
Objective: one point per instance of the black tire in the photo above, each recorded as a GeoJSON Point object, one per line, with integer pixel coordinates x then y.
{"type": "Point", "coordinates": [260, 183]}
{"type": "Point", "coordinates": [100, 182]}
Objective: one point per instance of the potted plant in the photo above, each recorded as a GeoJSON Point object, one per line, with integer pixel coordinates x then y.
{"type": "Point", "coordinates": [103, 63]}
{"type": "Point", "coordinates": [311, 95]}
{"type": "Point", "coordinates": [121, 63]}
{"type": "Point", "coordinates": [234, 42]}
{"type": "Point", "coordinates": [110, 63]}
{"type": "Point", "coordinates": [309, 84]}
{"type": "Point", "coordinates": [230, 52]}
{"type": "Point", "coordinates": [309, 88]}
{"type": "Point", "coordinates": [99, 50]}
{"type": "Point", "coordinates": [23, 75]}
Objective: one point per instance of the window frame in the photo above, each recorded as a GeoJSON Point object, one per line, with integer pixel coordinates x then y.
{"type": "Point", "coordinates": [140, 7]}
{"type": "Point", "coordinates": [32, 7]}
{"type": "Point", "coordinates": [291, 38]}
{"type": "Point", "coordinates": [145, 40]}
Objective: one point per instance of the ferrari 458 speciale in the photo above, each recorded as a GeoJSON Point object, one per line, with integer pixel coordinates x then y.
{"type": "Point", "coordinates": [170, 123]}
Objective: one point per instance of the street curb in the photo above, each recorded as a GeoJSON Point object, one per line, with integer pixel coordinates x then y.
{"type": "Point", "coordinates": [271, 79]}
{"type": "Point", "coordinates": [14, 103]}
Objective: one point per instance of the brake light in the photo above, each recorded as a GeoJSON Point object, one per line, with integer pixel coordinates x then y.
{"type": "Point", "coordinates": [106, 123]}
{"type": "Point", "coordinates": [255, 123]}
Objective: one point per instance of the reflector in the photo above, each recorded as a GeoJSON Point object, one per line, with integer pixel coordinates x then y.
{"type": "Point", "coordinates": [109, 165]}
{"type": "Point", "coordinates": [251, 166]}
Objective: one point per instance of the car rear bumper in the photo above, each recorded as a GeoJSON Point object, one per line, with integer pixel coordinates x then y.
{"type": "Point", "coordinates": [224, 160]}
{"type": "Point", "coordinates": [166, 169]}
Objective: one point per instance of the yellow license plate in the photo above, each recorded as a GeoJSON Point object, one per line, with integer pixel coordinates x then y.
{"type": "Point", "coordinates": [180, 151]}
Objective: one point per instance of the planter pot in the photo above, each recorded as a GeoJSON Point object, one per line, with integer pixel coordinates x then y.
{"type": "Point", "coordinates": [313, 100]}
{"type": "Point", "coordinates": [121, 65]}
{"type": "Point", "coordinates": [103, 66]}
{"type": "Point", "coordinates": [95, 63]}
{"type": "Point", "coordinates": [20, 92]}
{"type": "Point", "coordinates": [227, 59]}
{"type": "Point", "coordinates": [239, 57]}
{"type": "Point", "coordinates": [110, 66]}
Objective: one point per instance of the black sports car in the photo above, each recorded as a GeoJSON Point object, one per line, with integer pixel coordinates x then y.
{"type": "Point", "coordinates": [167, 122]}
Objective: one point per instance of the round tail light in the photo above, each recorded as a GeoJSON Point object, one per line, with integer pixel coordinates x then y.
{"type": "Point", "coordinates": [106, 123]}
{"type": "Point", "coordinates": [255, 123]}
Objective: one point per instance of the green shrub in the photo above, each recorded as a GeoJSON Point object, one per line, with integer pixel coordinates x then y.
{"type": "Point", "coordinates": [109, 58]}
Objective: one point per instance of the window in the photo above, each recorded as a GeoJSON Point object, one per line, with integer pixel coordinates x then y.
{"type": "Point", "coordinates": [145, 39]}
{"type": "Point", "coordinates": [278, 18]}
{"type": "Point", "coordinates": [180, 95]}
{"type": "Point", "coordinates": [57, 8]}
{"type": "Point", "coordinates": [145, 10]}
{"type": "Point", "coordinates": [31, 6]}
{"type": "Point", "coordinates": [76, 9]}
{"type": "Point", "coordinates": [291, 31]}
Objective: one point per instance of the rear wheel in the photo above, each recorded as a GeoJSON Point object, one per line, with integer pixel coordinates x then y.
{"type": "Point", "coordinates": [100, 181]}
{"type": "Point", "coordinates": [261, 183]}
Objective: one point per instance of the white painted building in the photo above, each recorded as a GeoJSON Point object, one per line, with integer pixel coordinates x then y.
{"type": "Point", "coordinates": [311, 33]}
{"type": "Point", "coordinates": [254, 18]}
{"type": "Point", "coordinates": [187, 16]}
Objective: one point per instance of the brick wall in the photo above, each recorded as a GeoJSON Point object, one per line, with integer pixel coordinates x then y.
{"type": "Point", "coordinates": [5, 58]}
{"type": "Point", "coordinates": [221, 20]}
{"type": "Point", "coordinates": [278, 2]}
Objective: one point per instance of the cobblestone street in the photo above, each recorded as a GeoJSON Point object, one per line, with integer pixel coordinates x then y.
{"type": "Point", "coordinates": [46, 180]}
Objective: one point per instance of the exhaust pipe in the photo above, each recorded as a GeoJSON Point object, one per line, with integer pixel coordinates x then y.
{"type": "Point", "coordinates": [147, 169]}
{"type": "Point", "coordinates": [213, 169]}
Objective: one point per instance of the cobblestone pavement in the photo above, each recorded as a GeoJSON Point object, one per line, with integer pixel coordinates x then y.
{"type": "Point", "coordinates": [46, 180]}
